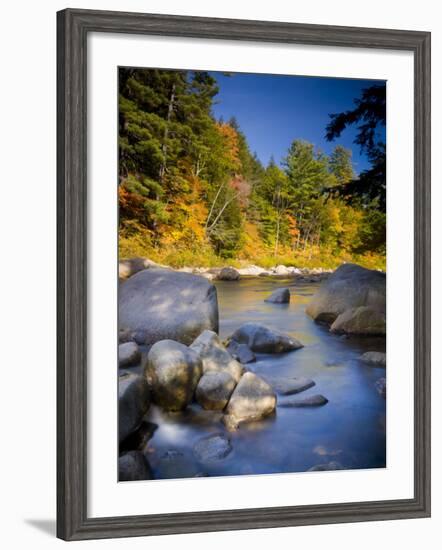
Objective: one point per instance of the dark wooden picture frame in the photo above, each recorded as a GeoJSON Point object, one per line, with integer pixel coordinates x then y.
{"type": "Point", "coordinates": [73, 27]}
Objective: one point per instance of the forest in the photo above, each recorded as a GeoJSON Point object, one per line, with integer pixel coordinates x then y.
{"type": "Point", "coordinates": [192, 193]}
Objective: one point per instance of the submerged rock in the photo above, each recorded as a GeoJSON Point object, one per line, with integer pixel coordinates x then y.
{"type": "Point", "coordinates": [252, 399]}
{"type": "Point", "coordinates": [289, 386]}
{"type": "Point", "coordinates": [128, 354]}
{"type": "Point", "coordinates": [176, 464]}
{"type": "Point", "coordinates": [214, 355]}
{"type": "Point", "coordinates": [159, 304]}
{"type": "Point", "coordinates": [214, 390]}
{"type": "Point", "coordinates": [133, 403]}
{"type": "Point", "coordinates": [349, 287]}
{"type": "Point", "coordinates": [133, 466]}
{"type": "Point", "coordinates": [333, 465]}
{"type": "Point", "coordinates": [172, 371]}
{"type": "Point", "coordinates": [279, 296]}
{"type": "Point", "coordinates": [376, 358]}
{"type": "Point", "coordinates": [228, 274]}
{"type": "Point", "coordinates": [241, 352]}
{"type": "Point", "coordinates": [311, 401]}
{"type": "Point", "coordinates": [264, 340]}
{"type": "Point", "coordinates": [363, 320]}
{"type": "Point", "coordinates": [381, 386]}
{"type": "Point", "coordinates": [212, 448]}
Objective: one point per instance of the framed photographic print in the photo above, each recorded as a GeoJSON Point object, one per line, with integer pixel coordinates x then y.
{"type": "Point", "coordinates": [243, 271]}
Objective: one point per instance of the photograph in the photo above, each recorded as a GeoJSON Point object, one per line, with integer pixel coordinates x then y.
{"type": "Point", "coordinates": [252, 274]}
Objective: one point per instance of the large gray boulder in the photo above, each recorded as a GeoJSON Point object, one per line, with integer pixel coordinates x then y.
{"type": "Point", "coordinates": [349, 287]}
{"type": "Point", "coordinates": [251, 400]}
{"type": "Point", "coordinates": [264, 340]}
{"type": "Point", "coordinates": [279, 296]}
{"type": "Point", "coordinates": [128, 354]}
{"type": "Point", "coordinates": [133, 403]}
{"type": "Point", "coordinates": [159, 304]}
{"type": "Point", "coordinates": [214, 390]}
{"type": "Point", "coordinates": [214, 355]}
{"type": "Point", "coordinates": [172, 371]}
{"type": "Point", "coordinates": [228, 274]}
{"type": "Point", "coordinates": [362, 320]}
{"type": "Point", "coordinates": [133, 466]}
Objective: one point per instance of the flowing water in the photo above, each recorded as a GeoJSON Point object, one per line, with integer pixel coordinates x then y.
{"type": "Point", "coordinates": [349, 430]}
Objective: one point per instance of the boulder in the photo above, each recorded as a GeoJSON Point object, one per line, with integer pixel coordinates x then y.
{"type": "Point", "coordinates": [251, 400]}
{"type": "Point", "coordinates": [133, 466]}
{"type": "Point", "coordinates": [253, 270]}
{"type": "Point", "coordinates": [375, 358]}
{"type": "Point", "coordinates": [159, 304]}
{"type": "Point", "coordinates": [279, 296]}
{"type": "Point", "coordinates": [214, 355]}
{"type": "Point", "coordinates": [349, 287]}
{"type": "Point", "coordinates": [212, 448]}
{"type": "Point", "coordinates": [288, 386]}
{"type": "Point", "coordinates": [228, 274]}
{"type": "Point", "coordinates": [127, 268]}
{"type": "Point", "coordinates": [214, 390]}
{"type": "Point", "coordinates": [241, 352]}
{"type": "Point", "coordinates": [363, 320]}
{"type": "Point", "coordinates": [281, 270]}
{"type": "Point", "coordinates": [333, 465]}
{"type": "Point", "coordinates": [381, 386]}
{"type": "Point", "coordinates": [264, 340]}
{"type": "Point", "coordinates": [311, 401]}
{"type": "Point", "coordinates": [172, 371]}
{"type": "Point", "coordinates": [128, 354]}
{"type": "Point", "coordinates": [133, 403]}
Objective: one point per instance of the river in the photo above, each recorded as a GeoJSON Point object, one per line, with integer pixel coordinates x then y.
{"type": "Point", "coordinates": [349, 431]}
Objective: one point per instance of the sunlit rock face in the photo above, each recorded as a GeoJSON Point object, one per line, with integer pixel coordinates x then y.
{"type": "Point", "coordinates": [349, 287]}
{"type": "Point", "coordinates": [214, 355]}
{"type": "Point", "coordinates": [264, 340]}
{"type": "Point", "coordinates": [172, 371]}
{"type": "Point", "coordinates": [252, 399]}
{"type": "Point", "coordinates": [360, 320]}
{"type": "Point", "coordinates": [158, 304]}
{"type": "Point", "coordinates": [133, 403]}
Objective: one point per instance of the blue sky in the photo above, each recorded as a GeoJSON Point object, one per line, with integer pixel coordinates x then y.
{"type": "Point", "coordinates": [273, 110]}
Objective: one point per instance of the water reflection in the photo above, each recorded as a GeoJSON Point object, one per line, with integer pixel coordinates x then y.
{"type": "Point", "coordinates": [348, 431]}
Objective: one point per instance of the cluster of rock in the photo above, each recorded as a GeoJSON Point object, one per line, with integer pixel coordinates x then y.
{"type": "Point", "coordinates": [351, 301]}
{"type": "Point", "coordinates": [129, 267]}
{"type": "Point", "coordinates": [174, 316]}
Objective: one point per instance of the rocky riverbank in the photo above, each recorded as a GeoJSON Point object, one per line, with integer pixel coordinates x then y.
{"type": "Point", "coordinates": [171, 357]}
{"type": "Point", "coordinates": [130, 267]}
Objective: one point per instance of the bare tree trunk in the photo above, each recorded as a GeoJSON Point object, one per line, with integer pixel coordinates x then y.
{"type": "Point", "coordinates": [220, 213]}
{"type": "Point", "coordinates": [213, 205]}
